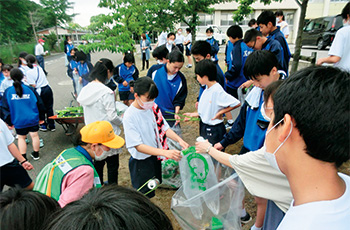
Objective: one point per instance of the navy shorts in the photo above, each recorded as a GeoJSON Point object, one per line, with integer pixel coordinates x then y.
{"type": "Point", "coordinates": [143, 170]}
{"type": "Point", "coordinates": [188, 51]}
{"type": "Point", "coordinates": [13, 174]}
{"type": "Point", "coordinates": [126, 95]}
{"type": "Point", "coordinates": [25, 131]}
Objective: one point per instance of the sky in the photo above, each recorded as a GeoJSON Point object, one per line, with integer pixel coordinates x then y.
{"type": "Point", "coordinates": [85, 9]}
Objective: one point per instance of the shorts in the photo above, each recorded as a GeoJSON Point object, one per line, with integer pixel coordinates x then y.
{"type": "Point", "coordinates": [126, 95]}
{"type": "Point", "coordinates": [25, 131]}
{"type": "Point", "coordinates": [188, 51]}
{"type": "Point", "coordinates": [13, 174]}
{"type": "Point", "coordinates": [143, 170]}
{"type": "Point", "coordinates": [232, 92]}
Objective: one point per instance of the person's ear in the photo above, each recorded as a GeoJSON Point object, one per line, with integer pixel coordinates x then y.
{"type": "Point", "coordinates": [273, 71]}
{"type": "Point", "coordinates": [285, 127]}
{"type": "Point", "coordinates": [208, 56]}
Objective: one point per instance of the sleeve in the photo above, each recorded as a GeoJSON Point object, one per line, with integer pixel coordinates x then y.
{"type": "Point", "coordinates": [237, 130]}
{"type": "Point", "coordinates": [86, 76]}
{"type": "Point", "coordinates": [235, 70]}
{"type": "Point", "coordinates": [5, 110]}
{"type": "Point", "coordinates": [70, 70]}
{"type": "Point", "coordinates": [286, 29]}
{"type": "Point", "coordinates": [215, 48]}
{"type": "Point", "coordinates": [116, 76]}
{"type": "Point", "coordinates": [277, 49]}
{"type": "Point", "coordinates": [31, 76]}
{"type": "Point", "coordinates": [75, 184]}
{"type": "Point", "coordinates": [226, 53]}
{"type": "Point", "coordinates": [6, 134]}
{"type": "Point", "coordinates": [132, 136]}
{"type": "Point", "coordinates": [226, 100]}
{"type": "Point", "coordinates": [337, 45]}
{"type": "Point", "coordinates": [149, 72]}
{"type": "Point", "coordinates": [111, 111]}
{"type": "Point", "coordinates": [180, 97]}
{"type": "Point", "coordinates": [40, 104]}
{"type": "Point", "coordinates": [135, 75]}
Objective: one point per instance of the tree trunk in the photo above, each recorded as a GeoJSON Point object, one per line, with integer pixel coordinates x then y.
{"type": "Point", "coordinates": [33, 26]}
{"type": "Point", "coordinates": [58, 40]}
{"type": "Point", "coordinates": [297, 50]}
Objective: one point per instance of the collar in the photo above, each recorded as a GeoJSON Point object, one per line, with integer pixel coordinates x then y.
{"type": "Point", "coordinates": [84, 152]}
{"type": "Point", "coordinates": [275, 31]}
{"type": "Point", "coordinates": [253, 98]}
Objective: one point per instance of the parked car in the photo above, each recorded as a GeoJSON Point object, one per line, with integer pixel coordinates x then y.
{"type": "Point", "coordinates": [320, 32]}
{"type": "Point", "coordinates": [219, 35]}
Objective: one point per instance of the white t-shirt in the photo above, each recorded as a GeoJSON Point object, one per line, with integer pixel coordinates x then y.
{"type": "Point", "coordinates": [188, 37]}
{"type": "Point", "coordinates": [330, 214]}
{"type": "Point", "coordinates": [212, 101]}
{"type": "Point", "coordinates": [340, 47]}
{"type": "Point", "coordinates": [6, 139]}
{"type": "Point", "coordinates": [284, 27]}
{"type": "Point", "coordinates": [162, 38]}
{"type": "Point", "coordinates": [39, 49]}
{"type": "Point", "coordinates": [5, 84]}
{"type": "Point", "coordinates": [37, 77]}
{"type": "Point", "coordinates": [140, 128]}
{"type": "Point", "coordinates": [179, 39]}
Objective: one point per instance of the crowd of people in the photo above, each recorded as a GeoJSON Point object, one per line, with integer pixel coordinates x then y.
{"type": "Point", "coordinates": [295, 131]}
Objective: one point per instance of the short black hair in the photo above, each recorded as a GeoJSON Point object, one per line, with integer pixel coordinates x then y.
{"type": "Point", "coordinates": [209, 30]}
{"type": "Point", "coordinates": [22, 209]}
{"type": "Point", "coordinates": [251, 35]}
{"type": "Point", "coordinates": [202, 48]}
{"type": "Point", "coordinates": [108, 63]}
{"type": "Point", "coordinates": [80, 56]}
{"type": "Point", "coordinates": [160, 52]}
{"type": "Point", "coordinates": [111, 207]}
{"type": "Point", "coordinates": [346, 11]}
{"type": "Point", "coordinates": [259, 62]}
{"type": "Point", "coordinates": [129, 58]}
{"type": "Point", "coordinates": [176, 56]}
{"type": "Point", "coordinates": [171, 34]}
{"type": "Point", "coordinates": [267, 16]}
{"type": "Point", "coordinates": [271, 89]}
{"type": "Point", "coordinates": [279, 13]}
{"type": "Point", "coordinates": [99, 72]}
{"type": "Point", "coordinates": [251, 22]}
{"type": "Point", "coordinates": [188, 30]}
{"type": "Point", "coordinates": [234, 31]}
{"type": "Point", "coordinates": [22, 54]}
{"type": "Point", "coordinates": [145, 85]}
{"type": "Point", "coordinates": [7, 67]}
{"type": "Point", "coordinates": [207, 68]}
{"type": "Point", "coordinates": [318, 99]}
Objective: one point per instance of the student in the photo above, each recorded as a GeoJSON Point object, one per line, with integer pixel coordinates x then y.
{"type": "Point", "coordinates": [68, 48]}
{"type": "Point", "coordinates": [162, 39]}
{"type": "Point", "coordinates": [40, 53]}
{"type": "Point", "coordinates": [213, 43]}
{"type": "Point", "coordinates": [188, 44]}
{"type": "Point", "coordinates": [228, 56]}
{"type": "Point", "coordinates": [73, 73]}
{"type": "Point", "coordinates": [111, 207]}
{"type": "Point", "coordinates": [70, 185]}
{"type": "Point", "coordinates": [267, 24]}
{"type": "Point", "coordinates": [172, 87]}
{"type": "Point", "coordinates": [22, 64]}
{"type": "Point", "coordinates": [98, 102]}
{"type": "Point", "coordinates": [7, 81]}
{"type": "Point", "coordinates": [337, 53]}
{"type": "Point", "coordinates": [37, 79]}
{"type": "Point", "coordinates": [213, 103]}
{"type": "Point", "coordinates": [170, 44]}
{"type": "Point", "coordinates": [124, 73]}
{"type": "Point", "coordinates": [179, 40]}
{"type": "Point", "coordinates": [26, 210]}
{"type": "Point", "coordinates": [281, 23]}
{"type": "Point", "coordinates": [252, 24]}
{"type": "Point", "coordinates": [160, 54]}
{"type": "Point", "coordinates": [140, 122]}
{"type": "Point", "coordinates": [145, 47]}
{"type": "Point", "coordinates": [13, 165]}
{"type": "Point", "coordinates": [22, 108]}
{"type": "Point", "coordinates": [84, 67]}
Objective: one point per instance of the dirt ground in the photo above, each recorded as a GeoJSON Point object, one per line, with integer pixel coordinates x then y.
{"type": "Point", "coordinates": [190, 132]}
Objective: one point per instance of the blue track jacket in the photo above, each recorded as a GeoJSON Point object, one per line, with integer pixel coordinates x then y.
{"type": "Point", "coordinates": [123, 73]}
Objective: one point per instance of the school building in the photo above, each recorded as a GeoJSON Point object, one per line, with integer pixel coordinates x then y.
{"type": "Point", "coordinates": [76, 35]}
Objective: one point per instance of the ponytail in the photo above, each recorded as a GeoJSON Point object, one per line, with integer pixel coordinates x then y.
{"type": "Point", "coordinates": [17, 76]}
{"type": "Point", "coordinates": [30, 59]}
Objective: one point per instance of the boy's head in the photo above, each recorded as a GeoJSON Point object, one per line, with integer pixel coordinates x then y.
{"type": "Point", "coordinates": [128, 60]}
{"type": "Point", "coordinates": [252, 23]}
{"type": "Point", "coordinates": [205, 71]}
{"type": "Point", "coordinates": [145, 88]}
{"type": "Point", "coordinates": [175, 62]}
{"type": "Point", "coordinates": [267, 22]}
{"type": "Point", "coordinates": [201, 50]}
{"type": "Point", "coordinates": [234, 33]}
{"type": "Point", "coordinates": [261, 67]}
{"type": "Point", "coordinates": [160, 54]}
{"type": "Point", "coordinates": [6, 69]}
{"type": "Point", "coordinates": [345, 14]}
{"type": "Point", "coordinates": [254, 39]}
{"type": "Point", "coordinates": [313, 105]}
{"type": "Point", "coordinates": [209, 31]}
{"type": "Point", "coordinates": [80, 56]}
{"type": "Point", "coordinates": [171, 38]}
{"type": "Point", "coordinates": [188, 30]}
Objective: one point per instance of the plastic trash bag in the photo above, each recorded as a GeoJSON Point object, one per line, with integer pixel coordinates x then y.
{"type": "Point", "coordinates": [121, 107]}
{"type": "Point", "coordinates": [78, 85]}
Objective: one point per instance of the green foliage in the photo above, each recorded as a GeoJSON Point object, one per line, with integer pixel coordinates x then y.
{"type": "Point", "coordinates": [245, 8]}
{"type": "Point", "coordinates": [57, 9]}
{"type": "Point", "coordinates": [51, 40]}
{"type": "Point", "coordinates": [10, 55]}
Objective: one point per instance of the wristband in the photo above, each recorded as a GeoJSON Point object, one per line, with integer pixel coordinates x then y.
{"type": "Point", "coordinates": [21, 163]}
{"type": "Point", "coordinates": [208, 149]}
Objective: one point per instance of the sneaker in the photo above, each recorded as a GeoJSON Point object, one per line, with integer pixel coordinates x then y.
{"type": "Point", "coordinates": [41, 143]}
{"type": "Point", "coordinates": [35, 155]}
{"type": "Point", "coordinates": [189, 66]}
{"type": "Point", "coordinates": [52, 128]}
{"type": "Point", "coordinates": [228, 126]}
{"type": "Point", "coordinates": [245, 219]}
{"type": "Point", "coordinates": [43, 128]}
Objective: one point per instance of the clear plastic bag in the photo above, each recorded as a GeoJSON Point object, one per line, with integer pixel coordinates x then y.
{"type": "Point", "coordinates": [121, 107]}
{"type": "Point", "coordinates": [78, 85]}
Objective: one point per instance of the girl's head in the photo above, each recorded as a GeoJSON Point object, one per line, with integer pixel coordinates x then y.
{"type": "Point", "coordinates": [6, 70]}
{"type": "Point", "coordinates": [21, 58]}
{"type": "Point", "coordinates": [30, 59]}
{"type": "Point", "coordinates": [80, 56]}
{"type": "Point", "coordinates": [99, 72]}
{"type": "Point", "coordinates": [145, 88]}
{"type": "Point", "coordinates": [17, 76]}
{"type": "Point", "coordinates": [143, 36]}
{"type": "Point", "coordinates": [109, 65]}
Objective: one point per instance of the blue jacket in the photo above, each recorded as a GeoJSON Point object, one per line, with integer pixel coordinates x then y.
{"type": "Point", "coordinates": [123, 73]}
{"type": "Point", "coordinates": [68, 48]}
{"type": "Point", "coordinates": [276, 48]}
{"type": "Point", "coordinates": [171, 93]}
{"type": "Point", "coordinates": [22, 112]}
{"type": "Point", "coordinates": [239, 54]}
{"type": "Point", "coordinates": [153, 68]}
{"type": "Point", "coordinates": [72, 64]}
{"type": "Point", "coordinates": [84, 71]}
{"type": "Point", "coordinates": [214, 47]}
{"type": "Point", "coordinates": [228, 56]}
{"type": "Point", "coordinates": [278, 36]}
{"type": "Point", "coordinates": [219, 79]}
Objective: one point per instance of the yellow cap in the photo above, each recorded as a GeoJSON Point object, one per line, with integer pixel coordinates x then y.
{"type": "Point", "coordinates": [101, 132]}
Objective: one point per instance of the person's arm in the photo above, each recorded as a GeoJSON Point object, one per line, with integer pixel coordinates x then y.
{"type": "Point", "coordinates": [5, 110]}
{"type": "Point", "coordinates": [219, 114]}
{"type": "Point", "coordinates": [135, 75]}
{"type": "Point", "coordinates": [171, 154]}
{"type": "Point", "coordinates": [236, 67]}
{"type": "Point", "coordinates": [16, 154]}
{"type": "Point", "coordinates": [180, 98]}
{"type": "Point", "coordinates": [194, 114]}
{"type": "Point", "coordinates": [119, 79]}
{"type": "Point", "coordinates": [215, 47]}
{"type": "Point", "coordinates": [172, 135]}
{"type": "Point", "coordinates": [206, 147]}
{"type": "Point", "coordinates": [41, 106]}
{"type": "Point", "coordinates": [111, 111]}
{"type": "Point", "coordinates": [329, 59]}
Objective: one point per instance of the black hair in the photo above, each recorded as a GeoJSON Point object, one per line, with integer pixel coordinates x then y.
{"type": "Point", "coordinates": [17, 76]}
{"type": "Point", "coordinates": [209, 30]}
{"type": "Point", "coordinates": [202, 48]}
{"type": "Point", "coordinates": [22, 54]}
{"type": "Point", "coordinates": [318, 99]}
{"type": "Point", "coordinates": [76, 140]}
{"type": "Point", "coordinates": [171, 34]}
{"type": "Point", "coordinates": [346, 11]}
{"type": "Point", "coordinates": [176, 56]}
{"type": "Point", "coordinates": [7, 67]}
{"type": "Point", "coordinates": [99, 72]}
{"type": "Point", "coordinates": [80, 56]}
{"type": "Point", "coordinates": [267, 16]}
{"type": "Point", "coordinates": [259, 62]}
{"type": "Point", "coordinates": [235, 31]}
{"type": "Point", "coordinates": [251, 35]}
{"type": "Point", "coordinates": [111, 207]}
{"type": "Point", "coordinates": [271, 89]}
{"type": "Point", "coordinates": [145, 85]}
{"type": "Point", "coordinates": [108, 63]}
{"type": "Point", "coordinates": [160, 52]}
{"type": "Point", "coordinates": [251, 22]}
{"type": "Point", "coordinates": [279, 13]}
{"type": "Point", "coordinates": [30, 59]}
{"type": "Point", "coordinates": [206, 68]}
{"type": "Point", "coordinates": [129, 58]}
{"type": "Point", "coordinates": [22, 209]}
{"type": "Point", "coordinates": [188, 30]}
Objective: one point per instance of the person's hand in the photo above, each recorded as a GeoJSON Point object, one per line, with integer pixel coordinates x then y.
{"type": "Point", "coordinates": [201, 147]}
{"type": "Point", "coordinates": [177, 118]}
{"type": "Point", "coordinates": [196, 105]}
{"type": "Point", "coordinates": [187, 118]}
{"type": "Point", "coordinates": [217, 116]}
{"type": "Point", "coordinates": [184, 144]}
{"type": "Point", "coordinates": [80, 80]}
{"type": "Point", "coordinates": [218, 146]}
{"type": "Point", "coordinates": [27, 165]}
{"type": "Point", "coordinates": [320, 61]}
{"type": "Point", "coordinates": [75, 70]}
{"type": "Point", "coordinates": [173, 154]}
{"type": "Point", "coordinates": [246, 84]}
{"type": "Point", "coordinates": [125, 83]}
{"type": "Point", "coordinates": [131, 89]}
{"type": "Point", "coordinates": [41, 122]}
{"type": "Point", "coordinates": [10, 127]}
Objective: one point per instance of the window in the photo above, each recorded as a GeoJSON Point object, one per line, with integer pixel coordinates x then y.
{"type": "Point", "coordinates": [309, 26]}
{"type": "Point", "coordinates": [226, 19]}
{"type": "Point", "coordinates": [205, 19]}
{"type": "Point", "coordinates": [289, 18]}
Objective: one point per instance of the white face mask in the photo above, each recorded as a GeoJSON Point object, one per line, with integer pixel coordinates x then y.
{"type": "Point", "coordinates": [103, 156]}
{"type": "Point", "coordinates": [42, 43]}
{"type": "Point", "coordinates": [263, 112]}
{"type": "Point", "coordinates": [159, 62]}
{"type": "Point", "coordinates": [70, 43]}
{"type": "Point", "coordinates": [146, 105]}
{"type": "Point", "coordinates": [271, 157]}
{"type": "Point", "coordinates": [209, 36]}
{"type": "Point", "coordinates": [171, 42]}
{"type": "Point", "coordinates": [24, 62]}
